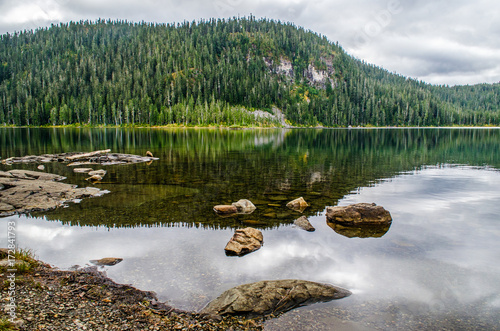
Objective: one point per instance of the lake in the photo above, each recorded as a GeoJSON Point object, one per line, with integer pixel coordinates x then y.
{"type": "Point", "coordinates": [436, 267]}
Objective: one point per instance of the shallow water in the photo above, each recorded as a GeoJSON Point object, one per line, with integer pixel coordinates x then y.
{"type": "Point", "coordinates": [437, 266]}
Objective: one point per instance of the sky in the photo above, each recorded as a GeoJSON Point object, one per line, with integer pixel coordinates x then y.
{"type": "Point", "coordinates": [436, 41]}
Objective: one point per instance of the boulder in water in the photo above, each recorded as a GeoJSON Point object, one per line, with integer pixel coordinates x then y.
{"type": "Point", "coordinates": [244, 241]}
{"type": "Point", "coordinates": [272, 297]}
{"type": "Point", "coordinates": [360, 213]}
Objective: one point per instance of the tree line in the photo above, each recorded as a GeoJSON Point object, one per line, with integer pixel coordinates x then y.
{"type": "Point", "coordinates": [213, 72]}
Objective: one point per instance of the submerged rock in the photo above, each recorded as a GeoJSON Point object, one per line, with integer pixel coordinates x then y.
{"type": "Point", "coordinates": [25, 191]}
{"type": "Point", "coordinates": [244, 241]}
{"type": "Point", "coordinates": [272, 297]}
{"type": "Point", "coordinates": [108, 261]}
{"type": "Point", "coordinates": [99, 172]}
{"type": "Point", "coordinates": [298, 204]}
{"type": "Point", "coordinates": [360, 213]}
{"type": "Point", "coordinates": [94, 178]}
{"type": "Point", "coordinates": [244, 206]}
{"type": "Point", "coordinates": [303, 223]}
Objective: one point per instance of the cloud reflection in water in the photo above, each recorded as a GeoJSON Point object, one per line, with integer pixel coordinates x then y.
{"type": "Point", "coordinates": [441, 251]}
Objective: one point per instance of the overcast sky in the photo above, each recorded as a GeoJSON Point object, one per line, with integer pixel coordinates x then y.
{"type": "Point", "coordinates": [437, 41]}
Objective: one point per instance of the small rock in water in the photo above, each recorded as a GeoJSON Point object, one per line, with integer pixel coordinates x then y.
{"type": "Point", "coordinates": [41, 167]}
{"type": "Point", "coordinates": [99, 172]}
{"type": "Point", "coordinates": [244, 206]}
{"type": "Point", "coordinates": [108, 261]}
{"type": "Point", "coordinates": [298, 204]}
{"type": "Point", "coordinates": [304, 223]}
{"type": "Point", "coordinates": [244, 241]}
{"type": "Point", "coordinates": [225, 209]}
{"type": "Point", "coordinates": [94, 178]}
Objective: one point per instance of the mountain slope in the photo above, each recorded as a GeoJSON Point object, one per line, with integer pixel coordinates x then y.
{"type": "Point", "coordinates": [214, 72]}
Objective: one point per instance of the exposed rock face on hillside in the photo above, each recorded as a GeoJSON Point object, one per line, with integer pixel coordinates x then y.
{"type": "Point", "coordinates": [317, 77]}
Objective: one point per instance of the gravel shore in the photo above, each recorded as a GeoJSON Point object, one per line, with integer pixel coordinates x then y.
{"type": "Point", "coordinates": [85, 299]}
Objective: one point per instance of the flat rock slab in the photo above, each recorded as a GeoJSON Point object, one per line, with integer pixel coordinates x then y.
{"type": "Point", "coordinates": [272, 297]}
{"type": "Point", "coordinates": [358, 214]}
{"type": "Point", "coordinates": [26, 191]}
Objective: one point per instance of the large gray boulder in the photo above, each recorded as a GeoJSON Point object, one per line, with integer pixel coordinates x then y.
{"type": "Point", "coordinates": [272, 297]}
{"type": "Point", "coordinates": [244, 241]}
{"type": "Point", "coordinates": [358, 214]}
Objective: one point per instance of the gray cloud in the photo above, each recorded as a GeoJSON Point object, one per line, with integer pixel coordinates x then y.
{"type": "Point", "coordinates": [437, 41]}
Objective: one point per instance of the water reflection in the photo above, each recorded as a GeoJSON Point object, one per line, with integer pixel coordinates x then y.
{"type": "Point", "coordinates": [363, 231]}
{"type": "Point", "coordinates": [199, 169]}
{"type": "Point", "coordinates": [439, 261]}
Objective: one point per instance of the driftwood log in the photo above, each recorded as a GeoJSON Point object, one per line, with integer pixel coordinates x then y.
{"type": "Point", "coordinates": [87, 155]}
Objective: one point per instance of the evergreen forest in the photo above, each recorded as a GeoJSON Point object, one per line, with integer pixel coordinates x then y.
{"type": "Point", "coordinates": [241, 71]}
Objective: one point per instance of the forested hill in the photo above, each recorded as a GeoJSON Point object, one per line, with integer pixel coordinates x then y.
{"type": "Point", "coordinates": [215, 72]}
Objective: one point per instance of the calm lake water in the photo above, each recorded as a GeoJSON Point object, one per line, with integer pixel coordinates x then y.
{"type": "Point", "coordinates": [436, 267]}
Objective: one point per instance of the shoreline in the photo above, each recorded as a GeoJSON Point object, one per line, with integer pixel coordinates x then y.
{"type": "Point", "coordinates": [236, 127]}
{"type": "Point", "coordinates": [53, 299]}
